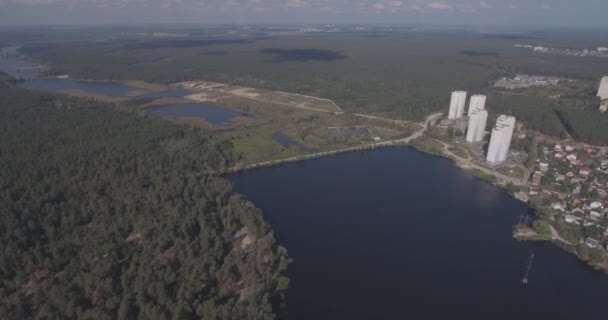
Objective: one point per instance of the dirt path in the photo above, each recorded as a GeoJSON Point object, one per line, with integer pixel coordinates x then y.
{"type": "Point", "coordinates": [401, 122]}
{"type": "Point", "coordinates": [555, 235]}
{"type": "Point", "coordinates": [466, 163]}
{"type": "Point", "coordinates": [420, 132]}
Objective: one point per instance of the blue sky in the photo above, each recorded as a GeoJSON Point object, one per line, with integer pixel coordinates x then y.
{"type": "Point", "coordinates": [509, 12]}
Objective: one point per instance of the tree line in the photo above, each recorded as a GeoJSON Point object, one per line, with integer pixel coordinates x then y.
{"type": "Point", "coordinates": [110, 214]}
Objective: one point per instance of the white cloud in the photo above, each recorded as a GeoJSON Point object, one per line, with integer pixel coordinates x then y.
{"type": "Point", "coordinates": [379, 6]}
{"type": "Point", "coordinates": [439, 6]}
{"type": "Point", "coordinates": [297, 4]}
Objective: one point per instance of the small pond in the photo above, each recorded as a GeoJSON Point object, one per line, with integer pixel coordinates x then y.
{"type": "Point", "coordinates": [106, 88]}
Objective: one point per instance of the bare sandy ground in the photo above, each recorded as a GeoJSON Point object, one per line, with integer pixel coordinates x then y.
{"type": "Point", "coordinates": [244, 92]}
{"type": "Point", "coordinates": [208, 91]}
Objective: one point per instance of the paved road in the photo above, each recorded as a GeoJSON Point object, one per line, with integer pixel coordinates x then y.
{"type": "Point", "coordinates": [420, 132]}
{"type": "Point", "coordinates": [360, 115]}
{"type": "Point", "coordinates": [466, 163]}
{"type": "Point", "coordinates": [405, 140]}
{"type": "Point", "coordinates": [529, 171]}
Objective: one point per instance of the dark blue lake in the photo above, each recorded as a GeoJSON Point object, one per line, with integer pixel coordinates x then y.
{"type": "Point", "coordinates": [29, 71]}
{"type": "Point", "coordinates": [106, 88]}
{"type": "Point", "coordinates": [213, 114]}
{"type": "Point", "coordinates": [397, 234]}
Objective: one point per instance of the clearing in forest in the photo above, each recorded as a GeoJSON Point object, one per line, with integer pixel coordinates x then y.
{"type": "Point", "coordinates": [211, 91]}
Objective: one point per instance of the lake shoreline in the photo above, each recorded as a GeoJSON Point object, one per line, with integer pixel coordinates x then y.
{"type": "Point", "coordinates": [491, 179]}
{"type": "Point", "coordinates": [478, 175]}
{"type": "Point", "coordinates": [348, 189]}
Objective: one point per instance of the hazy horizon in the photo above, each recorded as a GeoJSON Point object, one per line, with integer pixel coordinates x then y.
{"type": "Point", "coordinates": [548, 13]}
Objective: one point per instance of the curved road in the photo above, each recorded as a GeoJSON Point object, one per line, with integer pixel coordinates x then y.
{"type": "Point", "coordinates": [405, 140]}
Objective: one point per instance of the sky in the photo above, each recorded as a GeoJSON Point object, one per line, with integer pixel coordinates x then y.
{"type": "Point", "coordinates": [580, 13]}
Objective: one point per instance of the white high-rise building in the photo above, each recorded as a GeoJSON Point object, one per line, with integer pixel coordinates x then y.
{"type": "Point", "coordinates": [477, 125]}
{"type": "Point", "coordinates": [500, 142]}
{"type": "Point", "coordinates": [603, 91]}
{"type": "Point", "coordinates": [477, 102]}
{"type": "Point", "coordinates": [459, 99]}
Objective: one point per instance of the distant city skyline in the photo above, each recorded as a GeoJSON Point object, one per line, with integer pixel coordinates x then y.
{"type": "Point", "coordinates": [587, 13]}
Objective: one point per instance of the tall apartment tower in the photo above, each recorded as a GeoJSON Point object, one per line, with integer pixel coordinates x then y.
{"type": "Point", "coordinates": [459, 99]}
{"type": "Point", "coordinates": [477, 102]}
{"type": "Point", "coordinates": [603, 91]}
{"type": "Point", "coordinates": [477, 125]}
{"type": "Point", "coordinates": [501, 139]}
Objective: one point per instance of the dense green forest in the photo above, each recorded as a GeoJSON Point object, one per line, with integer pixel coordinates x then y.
{"type": "Point", "coordinates": [590, 127]}
{"type": "Point", "coordinates": [112, 214]}
{"type": "Point", "coordinates": [400, 73]}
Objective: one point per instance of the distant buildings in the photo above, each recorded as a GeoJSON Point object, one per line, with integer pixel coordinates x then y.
{"type": "Point", "coordinates": [478, 102]}
{"type": "Point", "coordinates": [521, 81]}
{"type": "Point", "coordinates": [603, 91]}
{"type": "Point", "coordinates": [599, 52]}
{"type": "Point", "coordinates": [478, 119]}
{"type": "Point", "coordinates": [500, 142]}
{"type": "Point", "coordinates": [457, 103]}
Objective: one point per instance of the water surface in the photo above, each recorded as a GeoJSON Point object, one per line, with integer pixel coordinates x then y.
{"type": "Point", "coordinates": [106, 88]}
{"type": "Point", "coordinates": [397, 234]}
{"type": "Point", "coordinates": [18, 68]}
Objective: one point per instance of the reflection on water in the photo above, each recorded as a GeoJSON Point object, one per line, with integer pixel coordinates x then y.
{"type": "Point", "coordinates": [485, 196]}
{"type": "Point", "coordinates": [397, 234]}
{"type": "Point", "coordinates": [106, 88]}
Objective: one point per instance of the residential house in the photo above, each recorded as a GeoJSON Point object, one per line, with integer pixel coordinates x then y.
{"type": "Point", "coordinates": [595, 215]}
{"type": "Point", "coordinates": [577, 211]}
{"type": "Point", "coordinates": [572, 158]}
{"type": "Point", "coordinates": [592, 243]}
{"type": "Point", "coordinates": [571, 219]}
{"type": "Point", "coordinates": [544, 167]}
{"type": "Point", "coordinates": [536, 178]}
{"type": "Point", "coordinates": [595, 205]}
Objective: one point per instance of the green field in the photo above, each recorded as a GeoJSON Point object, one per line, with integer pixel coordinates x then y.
{"type": "Point", "coordinates": [255, 142]}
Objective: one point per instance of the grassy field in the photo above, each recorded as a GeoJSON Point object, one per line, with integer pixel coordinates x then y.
{"type": "Point", "coordinates": [428, 145]}
{"type": "Point", "coordinates": [309, 128]}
